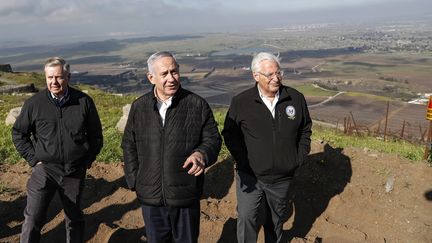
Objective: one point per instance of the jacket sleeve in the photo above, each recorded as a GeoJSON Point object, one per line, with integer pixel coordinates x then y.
{"type": "Point", "coordinates": [304, 140]}
{"type": "Point", "coordinates": [233, 135]}
{"type": "Point", "coordinates": [129, 146]}
{"type": "Point", "coordinates": [211, 140]}
{"type": "Point", "coordinates": [22, 131]}
{"type": "Point", "coordinates": [94, 132]}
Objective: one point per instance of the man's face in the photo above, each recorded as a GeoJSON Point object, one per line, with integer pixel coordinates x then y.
{"type": "Point", "coordinates": [268, 77]}
{"type": "Point", "coordinates": [166, 77]}
{"type": "Point", "coordinates": [56, 79]}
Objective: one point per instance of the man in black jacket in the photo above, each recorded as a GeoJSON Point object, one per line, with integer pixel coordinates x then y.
{"type": "Point", "coordinates": [169, 139]}
{"type": "Point", "coordinates": [267, 130]}
{"type": "Point", "coordinates": [59, 134]}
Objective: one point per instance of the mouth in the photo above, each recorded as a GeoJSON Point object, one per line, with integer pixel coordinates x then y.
{"type": "Point", "coordinates": [171, 86]}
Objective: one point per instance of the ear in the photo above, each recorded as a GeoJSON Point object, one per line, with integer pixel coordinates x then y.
{"type": "Point", "coordinates": [256, 76]}
{"type": "Point", "coordinates": [151, 78]}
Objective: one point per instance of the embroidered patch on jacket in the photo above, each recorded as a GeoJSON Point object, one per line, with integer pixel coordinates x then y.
{"type": "Point", "coordinates": [290, 111]}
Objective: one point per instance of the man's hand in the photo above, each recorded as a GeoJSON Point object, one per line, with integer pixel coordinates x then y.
{"type": "Point", "coordinates": [198, 164]}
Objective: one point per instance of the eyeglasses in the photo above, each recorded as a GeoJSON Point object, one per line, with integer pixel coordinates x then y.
{"type": "Point", "coordinates": [278, 74]}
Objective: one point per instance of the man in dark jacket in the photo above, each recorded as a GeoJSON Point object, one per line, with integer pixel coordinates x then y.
{"type": "Point", "coordinates": [59, 134]}
{"type": "Point", "coordinates": [267, 130]}
{"type": "Point", "coordinates": [169, 139]}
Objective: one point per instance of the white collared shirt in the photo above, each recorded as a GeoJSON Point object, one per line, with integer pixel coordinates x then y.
{"type": "Point", "coordinates": [163, 106]}
{"type": "Point", "coordinates": [271, 105]}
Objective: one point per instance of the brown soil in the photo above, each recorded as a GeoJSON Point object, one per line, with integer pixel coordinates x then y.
{"type": "Point", "coordinates": [338, 196]}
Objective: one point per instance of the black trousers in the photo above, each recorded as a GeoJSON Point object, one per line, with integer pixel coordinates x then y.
{"type": "Point", "coordinates": [41, 188]}
{"type": "Point", "coordinates": [172, 224]}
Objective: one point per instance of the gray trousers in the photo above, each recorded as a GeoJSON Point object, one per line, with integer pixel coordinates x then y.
{"type": "Point", "coordinates": [41, 188]}
{"type": "Point", "coordinates": [259, 204]}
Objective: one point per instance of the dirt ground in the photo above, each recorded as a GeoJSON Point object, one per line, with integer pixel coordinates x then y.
{"type": "Point", "coordinates": [338, 196]}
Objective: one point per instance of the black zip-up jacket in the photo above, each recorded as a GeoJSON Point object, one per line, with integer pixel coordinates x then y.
{"type": "Point", "coordinates": [266, 147]}
{"type": "Point", "coordinates": [154, 154]}
{"type": "Point", "coordinates": [67, 136]}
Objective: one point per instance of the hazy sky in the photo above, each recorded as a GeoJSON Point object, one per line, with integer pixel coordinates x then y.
{"type": "Point", "coordinates": [48, 21]}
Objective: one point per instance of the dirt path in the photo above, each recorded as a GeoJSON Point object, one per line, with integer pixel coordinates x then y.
{"type": "Point", "coordinates": [338, 196]}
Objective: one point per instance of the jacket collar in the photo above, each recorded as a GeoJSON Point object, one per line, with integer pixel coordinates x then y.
{"type": "Point", "coordinates": [177, 96]}
{"type": "Point", "coordinates": [283, 93]}
{"type": "Point", "coordinates": [64, 99]}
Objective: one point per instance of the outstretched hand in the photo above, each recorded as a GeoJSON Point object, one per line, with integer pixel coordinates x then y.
{"type": "Point", "coordinates": [198, 164]}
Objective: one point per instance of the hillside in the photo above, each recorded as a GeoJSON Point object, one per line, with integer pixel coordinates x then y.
{"type": "Point", "coordinates": [338, 196]}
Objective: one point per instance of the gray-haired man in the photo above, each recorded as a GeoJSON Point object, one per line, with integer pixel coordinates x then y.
{"type": "Point", "coordinates": [267, 130]}
{"type": "Point", "coordinates": [169, 139]}
{"type": "Point", "coordinates": [59, 134]}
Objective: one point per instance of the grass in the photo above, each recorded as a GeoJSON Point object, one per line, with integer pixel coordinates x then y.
{"type": "Point", "coordinates": [38, 79]}
{"type": "Point", "coordinates": [219, 114]}
{"type": "Point", "coordinates": [8, 154]}
{"type": "Point", "coordinates": [4, 188]}
{"type": "Point", "coordinates": [309, 90]}
{"type": "Point", "coordinates": [402, 148]}
{"type": "Point", "coordinates": [110, 110]}
{"type": "Point", "coordinates": [368, 96]}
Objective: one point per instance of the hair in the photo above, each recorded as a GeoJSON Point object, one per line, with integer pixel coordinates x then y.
{"type": "Point", "coordinates": [156, 56]}
{"type": "Point", "coordinates": [58, 61]}
{"type": "Point", "coordinates": [262, 56]}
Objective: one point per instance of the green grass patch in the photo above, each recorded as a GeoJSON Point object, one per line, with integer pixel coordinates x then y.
{"type": "Point", "coordinates": [4, 188]}
{"type": "Point", "coordinates": [219, 114]}
{"type": "Point", "coordinates": [368, 96]}
{"type": "Point", "coordinates": [109, 107]}
{"type": "Point", "coordinates": [38, 79]}
{"type": "Point", "coordinates": [405, 149]}
{"type": "Point", "coordinates": [310, 90]}
{"type": "Point", "coordinates": [8, 153]}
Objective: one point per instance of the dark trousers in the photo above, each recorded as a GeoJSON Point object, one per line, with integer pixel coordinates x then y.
{"type": "Point", "coordinates": [172, 224]}
{"type": "Point", "coordinates": [259, 203]}
{"type": "Point", "coordinates": [41, 188]}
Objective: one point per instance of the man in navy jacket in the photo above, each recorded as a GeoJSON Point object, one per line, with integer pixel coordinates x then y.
{"type": "Point", "coordinates": [267, 130]}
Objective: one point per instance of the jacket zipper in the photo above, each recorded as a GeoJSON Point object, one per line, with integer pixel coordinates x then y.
{"type": "Point", "coordinates": [164, 201]}
{"type": "Point", "coordinates": [274, 143]}
{"type": "Point", "coordinates": [61, 135]}
{"type": "Point", "coordinates": [162, 166]}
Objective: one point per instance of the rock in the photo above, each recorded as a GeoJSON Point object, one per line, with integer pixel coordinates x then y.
{"type": "Point", "coordinates": [12, 116]}
{"type": "Point", "coordinates": [389, 184]}
{"type": "Point", "coordinates": [126, 109]}
{"type": "Point", "coordinates": [17, 88]}
{"type": "Point", "coordinates": [121, 124]}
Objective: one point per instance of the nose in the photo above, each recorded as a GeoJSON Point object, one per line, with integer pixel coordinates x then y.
{"type": "Point", "coordinates": [170, 77]}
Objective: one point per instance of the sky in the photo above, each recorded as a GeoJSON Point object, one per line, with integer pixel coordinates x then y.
{"type": "Point", "coordinates": [51, 21]}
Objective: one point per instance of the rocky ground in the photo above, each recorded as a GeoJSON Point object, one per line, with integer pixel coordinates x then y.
{"type": "Point", "coordinates": [338, 196]}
